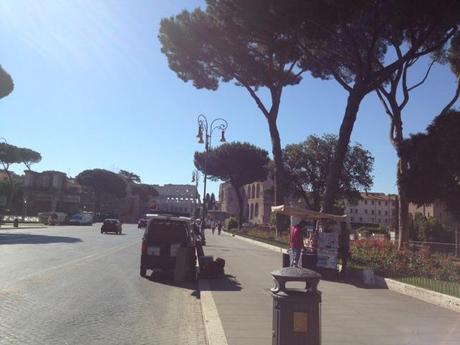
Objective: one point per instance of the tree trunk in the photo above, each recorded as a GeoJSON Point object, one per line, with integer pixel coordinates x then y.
{"type": "Point", "coordinates": [239, 197]}
{"type": "Point", "coordinates": [279, 182]}
{"type": "Point", "coordinates": [403, 207]}
{"type": "Point", "coordinates": [12, 189]}
{"type": "Point", "coordinates": [335, 170]}
{"type": "Point", "coordinates": [403, 204]}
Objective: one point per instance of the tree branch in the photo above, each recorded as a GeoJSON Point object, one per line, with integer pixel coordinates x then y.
{"type": "Point", "coordinates": [341, 81]}
{"type": "Point", "coordinates": [255, 97]}
{"type": "Point", "coordinates": [454, 99]}
{"type": "Point", "coordinates": [380, 93]}
{"type": "Point", "coordinates": [424, 78]}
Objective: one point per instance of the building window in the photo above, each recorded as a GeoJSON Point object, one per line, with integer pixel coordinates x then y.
{"type": "Point", "coordinates": [372, 202]}
{"type": "Point", "coordinates": [256, 210]}
{"type": "Point", "coordinates": [365, 202]}
{"type": "Point", "coordinates": [365, 211]}
{"type": "Point", "coordinates": [361, 219]}
{"type": "Point", "coordinates": [386, 213]}
{"type": "Point", "coordinates": [379, 203]}
{"type": "Point", "coordinates": [258, 191]}
{"type": "Point", "coordinates": [372, 211]}
{"type": "Point", "coordinates": [252, 212]}
{"type": "Point", "coordinates": [380, 220]}
{"type": "Point", "coordinates": [356, 210]}
{"type": "Point", "coordinates": [351, 218]}
{"type": "Point", "coordinates": [386, 203]}
{"type": "Point", "coordinates": [380, 212]}
{"type": "Point", "coordinates": [253, 191]}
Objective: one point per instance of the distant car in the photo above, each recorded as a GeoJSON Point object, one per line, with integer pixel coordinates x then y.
{"type": "Point", "coordinates": [84, 218]}
{"type": "Point", "coordinates": [163, 238]}
{"type": "Point", "coordinates": [142, 223]}
{"type": "Point", "coordinates": [111, 225]}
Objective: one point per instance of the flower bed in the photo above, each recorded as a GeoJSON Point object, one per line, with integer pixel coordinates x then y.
{"type": "Point", "coordinates": [386, 260]}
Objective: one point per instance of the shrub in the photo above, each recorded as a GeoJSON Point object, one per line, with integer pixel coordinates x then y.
{"type": "Point", "coordinates": [385, 258]}
{"type": "Point", "coordinates": [231, 223]}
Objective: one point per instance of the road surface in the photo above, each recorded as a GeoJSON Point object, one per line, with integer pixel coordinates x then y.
{"type": "Point", "coordinates": [72, 285]}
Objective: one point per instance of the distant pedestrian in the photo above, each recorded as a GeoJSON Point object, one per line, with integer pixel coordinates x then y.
{"type": "Point", "coordinates": [296, 243]}
{"type": "Point", "coordinates": [219, 228]}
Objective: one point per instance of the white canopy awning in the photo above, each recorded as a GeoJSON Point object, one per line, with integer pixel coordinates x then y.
{"type": "Point", "coordinates": [306, 214]}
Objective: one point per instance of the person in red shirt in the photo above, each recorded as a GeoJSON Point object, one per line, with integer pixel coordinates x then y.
{"type": "Point", "coordinates": [296, 243]}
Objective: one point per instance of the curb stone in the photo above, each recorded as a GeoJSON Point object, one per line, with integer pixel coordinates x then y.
{"type": "Point", "coordinates": [433, 297]}
{"type": "Point", "coordinates": [214, 331]}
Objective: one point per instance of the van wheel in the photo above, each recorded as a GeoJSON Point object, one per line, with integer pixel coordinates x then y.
{"type": "Point", "coordinates": [143, 271]}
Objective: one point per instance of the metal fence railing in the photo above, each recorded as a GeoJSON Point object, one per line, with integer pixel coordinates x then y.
{"type": "Point", "coordinates": [439, 247]}
{"type": "Point", "coordinates": [444, 287]}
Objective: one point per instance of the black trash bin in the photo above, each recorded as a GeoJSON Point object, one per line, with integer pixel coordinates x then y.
{"type": "Point", "coordinates": [296, 312]}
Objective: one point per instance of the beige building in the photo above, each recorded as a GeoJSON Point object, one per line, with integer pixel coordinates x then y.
{"type": "Point", "coordinates": [257, 200]}
{"type": "Point", "coordinates": [436, 210]}
{"type": "Point", "coordinates": [228, 200]}
{"type": "Point", "coordinates": [373, 209]}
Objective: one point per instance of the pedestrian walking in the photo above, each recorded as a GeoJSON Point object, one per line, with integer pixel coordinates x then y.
{"type": "Point", "coordinates": [219, 228]}
{"type": "Point", "coordinates": [296, 243]}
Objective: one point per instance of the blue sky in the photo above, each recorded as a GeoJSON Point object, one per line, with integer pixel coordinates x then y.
{"type": "Point", "coordinates": [92, 89]}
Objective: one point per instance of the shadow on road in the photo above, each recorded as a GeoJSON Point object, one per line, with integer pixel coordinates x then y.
{"type": "Point", "coordinates": [225, 283]}
{"type": "Point", "coordinates": [167, 278]}
{"type": "Point", "coordinates": [35, 239]}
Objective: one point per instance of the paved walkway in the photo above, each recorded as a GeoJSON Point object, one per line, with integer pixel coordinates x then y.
{"type": "Point", "coordinates": [350, 314]}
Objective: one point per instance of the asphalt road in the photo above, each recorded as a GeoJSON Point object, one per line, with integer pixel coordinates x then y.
{"type": "Point", "coordinates": [72, 285]}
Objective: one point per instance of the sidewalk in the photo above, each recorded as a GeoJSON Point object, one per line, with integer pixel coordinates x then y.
{"type": "Point", "coordinates": [350, 314]}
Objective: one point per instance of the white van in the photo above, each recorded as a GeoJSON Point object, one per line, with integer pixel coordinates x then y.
{"type": "Point", "coordinates": [83, 218]}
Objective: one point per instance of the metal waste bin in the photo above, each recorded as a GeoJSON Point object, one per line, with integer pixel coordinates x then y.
{"type": "Point", "coordinates": [296, 312]}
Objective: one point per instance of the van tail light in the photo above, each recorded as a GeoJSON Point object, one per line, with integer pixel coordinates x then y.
{"type": "Point", "coordinates": [144, 247]}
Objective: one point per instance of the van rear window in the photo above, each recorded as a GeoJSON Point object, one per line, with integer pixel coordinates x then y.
{"type": "Point", "coordinates": [167, 232]}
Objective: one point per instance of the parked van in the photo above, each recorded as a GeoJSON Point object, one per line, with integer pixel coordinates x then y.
{"type": "Point", "coordinates": [164, 236]}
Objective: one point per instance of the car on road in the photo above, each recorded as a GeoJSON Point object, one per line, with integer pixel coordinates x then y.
{"type": "Point", "coordinates": [111, 225]}
{"type": "Point", "coordinates": [142, 223]}
{"type": "Point", "coordinates": [83, 218]}
{"type": "Point", "coordinates": [164, 237]}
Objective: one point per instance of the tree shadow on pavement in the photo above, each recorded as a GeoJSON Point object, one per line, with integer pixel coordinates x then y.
{"type": "Point", "coordinates": [35, 239]}
{"type": "Point", "coordinates": [226, 282]}
{"type": "Point", "coordinates": [350, 278]}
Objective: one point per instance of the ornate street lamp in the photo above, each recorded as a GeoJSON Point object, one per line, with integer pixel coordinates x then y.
{"type": "Point", "coordinates": [204, 136]}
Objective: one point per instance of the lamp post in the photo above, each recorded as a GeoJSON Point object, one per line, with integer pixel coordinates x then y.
{"type": "Point", "coordinates": [195, 179]}
{"type": "Point", "coordinates": [206, 130]}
